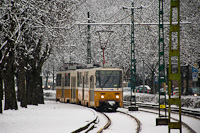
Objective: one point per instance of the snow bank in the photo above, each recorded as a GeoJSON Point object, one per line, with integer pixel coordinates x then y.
{"type": "Point", "coordinates": [49, 94]}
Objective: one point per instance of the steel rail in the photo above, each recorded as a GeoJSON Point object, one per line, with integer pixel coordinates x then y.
{"type": "Point", "coordinates": [138, 122]}
{"type": "Point", "coordinates": [183, 123]}
{"type": "Point", "coordinates": [186, 112]}
{"type": "Point", "coordinates": [87, 127]}
{"type": "Point", "coordinates": [107, 124]}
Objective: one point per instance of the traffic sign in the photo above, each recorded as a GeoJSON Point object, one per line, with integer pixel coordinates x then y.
{"type": "Point", "coordinates": [162, 106]}
{"type": "Point", "coordinates": [194, 76]}
{"type": "Point", "coordinates": [156, 80]}
{"type": "Point", "coordinates": [194, 69]}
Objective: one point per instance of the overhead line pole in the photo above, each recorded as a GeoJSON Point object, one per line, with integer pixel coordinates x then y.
{"type": "Point", "coordinates": [133, 60]}
{"type": "Point", "coordinates": [162, 120]}
{"type": "Point", "coordinates": [161, 60]}
{"type": "Point", "coordinates": [174, 57]}
{"type": "Point", "coordinates": [89, 42]}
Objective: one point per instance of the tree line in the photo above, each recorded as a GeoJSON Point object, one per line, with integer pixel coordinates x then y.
{"type": "Point", "coordinates": [26, 41]}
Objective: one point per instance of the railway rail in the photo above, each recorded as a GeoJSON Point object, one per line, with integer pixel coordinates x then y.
{"type": "Point", "coordinates": [91, 125]}
{"type": "Point", "coordinates": [188, 112]}
{"type": "Point", "coordinates": [185, 112]}
{"type": "Point", "coordinates": [138, 122]}
{"type": "Point", "coordinates": [113, 121]}
{"type": "Point", "coordinates": [149, 108]}
{"type": "Point", "coordinates": [106, 125]}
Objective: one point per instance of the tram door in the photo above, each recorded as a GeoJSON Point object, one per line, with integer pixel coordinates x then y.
{"type": "Point", "coordinates": [62, 84]}
{"type": "Point", "coordinates": [92, 90]}
{"type": "Point", "coordinates": [83, 90]}
{"type": "Point", "coordinates": [73, 89]}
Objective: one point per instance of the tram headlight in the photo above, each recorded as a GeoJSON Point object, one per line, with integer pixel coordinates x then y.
{"type": "Point", "coordinates": [117, 96]}
{"type": "Point", "coordinates": [102, 96]}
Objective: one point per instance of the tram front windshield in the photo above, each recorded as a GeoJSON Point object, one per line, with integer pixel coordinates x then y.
{"type": "Point", "coordinates": [108, 79]}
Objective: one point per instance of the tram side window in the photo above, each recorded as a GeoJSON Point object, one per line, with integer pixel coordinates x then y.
{"type": "Point", "coordinates": [58, 80]}
{"type": "Point", "coordinates": [79, 75]}
{"type": "Point", "coordinates": [86, 83]}
{"type": "Point", "coordinates": [67, 79]}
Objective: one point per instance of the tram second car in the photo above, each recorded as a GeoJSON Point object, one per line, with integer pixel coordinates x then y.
{"type": "Point", "coordinates": [99, 88]}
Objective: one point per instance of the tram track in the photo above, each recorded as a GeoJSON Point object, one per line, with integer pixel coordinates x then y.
{"type": "Point", "coordinates": [106, 125]}
{"type": "Point", "coordinates": [108, 117]}
{"type": "Point", "coordinates": [188, 113]}
{"type": "Point", "coordinates": [109, 122]}
{"type": "Point", "coordinates": [190, 130]}
{"type": "Point", "coordinates": [138, 121]}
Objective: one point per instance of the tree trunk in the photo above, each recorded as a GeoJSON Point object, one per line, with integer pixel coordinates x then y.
{"type": "Point", "coordinates": [10, 95]}
{"type": "Point", "coordinates": [46, 82]}
{"type": "Point", "coordinates": [34, 88]}
{"type": "Point", "coordinates": [29, 80]}
{"type": "Point", "coordinates": [1, 93]}
{"type": "Point", "coordinates": [187, 80]}
{"type": "Point", "coordinates": [18, 88]}
{"type": "Point", "coordinates": [1, 84]}
{"type": "Point", "coordinates": [152, 83]}
{"type": "Point", "coordinates": [21, 86]}
{"type": "Point", "coordinates": [40, 90]}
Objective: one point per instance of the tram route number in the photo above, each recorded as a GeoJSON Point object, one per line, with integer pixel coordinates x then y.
{"type": "Point", "coordinates": [162, 106]}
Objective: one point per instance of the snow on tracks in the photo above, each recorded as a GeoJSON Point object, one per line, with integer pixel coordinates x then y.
{"type": "Point", "coordinates": [120, 122]}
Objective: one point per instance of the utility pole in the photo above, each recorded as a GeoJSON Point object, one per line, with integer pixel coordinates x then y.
{"type": "Point", "coordinates": [89, 42]}
{"type": "Point", "coordinates": [174, 58]}
{"type": "Point", "coordinates": [133, 60]}
{"type": "Point", "coordinates": [162, 120]}
{"type": "Point", "coordinates": [143, 76]}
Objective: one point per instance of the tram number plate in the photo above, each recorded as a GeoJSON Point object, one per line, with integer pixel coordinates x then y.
{"type": "Point", "coordinates": [162, 106]}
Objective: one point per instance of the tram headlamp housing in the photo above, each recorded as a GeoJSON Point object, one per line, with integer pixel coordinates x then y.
{"type": "Point", "coordinates": [117, 96]}
{"type": "Point", "coordinates": [102, 96]}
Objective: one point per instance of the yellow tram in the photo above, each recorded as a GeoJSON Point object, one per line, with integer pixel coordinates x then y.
{"type": "Point", "coordinates": [100, 88]}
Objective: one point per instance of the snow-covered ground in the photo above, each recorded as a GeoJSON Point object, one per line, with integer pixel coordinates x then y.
{"type": "Point", "coordinates": [48, 118]}
{"type": "Point", "coordinates": [121, 123]}
{"type": "Point", "coordinates": [64, 118]}
{"type": "Point", "coordinates": [148, 122]}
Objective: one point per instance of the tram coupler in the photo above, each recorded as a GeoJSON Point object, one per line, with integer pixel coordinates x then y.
{"type": "Point", "coordinates": [161, 121]}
